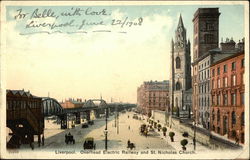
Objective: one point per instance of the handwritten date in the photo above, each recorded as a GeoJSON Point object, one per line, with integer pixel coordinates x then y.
{"type": "Point", "coordinates": [126, 22]}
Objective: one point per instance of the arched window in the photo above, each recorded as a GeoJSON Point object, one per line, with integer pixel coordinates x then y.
{"type": "Point", "coordinates": [242, 119]}
{"type": "Point", "coordinates": [178, 62]}
{"type": "Point", "coordinates": [233, 118]}
{"type": "Point", "coordinates": [218, 116]}
{"type": "Point", "coordinates": [178, 86]}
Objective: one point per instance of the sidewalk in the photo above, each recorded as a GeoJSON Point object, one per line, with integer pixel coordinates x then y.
{"type": "Point", "coordinates": [177, 140]}
{"type": "Point", "coordinates": [224, 139]}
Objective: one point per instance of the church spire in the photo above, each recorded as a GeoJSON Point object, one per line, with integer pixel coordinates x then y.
{"type": "Point", "coordinates": [180, 24]}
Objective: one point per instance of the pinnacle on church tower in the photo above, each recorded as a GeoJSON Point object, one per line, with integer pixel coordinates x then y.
{"type": "Point", "coordinates": [180, 24]}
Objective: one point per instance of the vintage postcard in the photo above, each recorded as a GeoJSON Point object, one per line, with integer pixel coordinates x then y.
{"type": "Point", "coordinates": [124, 80]}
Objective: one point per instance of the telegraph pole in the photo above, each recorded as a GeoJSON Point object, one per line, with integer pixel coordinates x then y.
{"type": "Point", "coordinates": [115, 116]}
{"type": "Point", "coordinates": [117, 122]}
{"type": "Point", "coordinates": [106, 130]}
{"type": "Point", "coordinates": [194, 125]}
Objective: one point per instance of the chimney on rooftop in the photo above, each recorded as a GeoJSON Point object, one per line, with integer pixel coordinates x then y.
{"type": "Point", "coordinates": [228, 45]}
{"type": "Point", "coordinates": [241, 45]}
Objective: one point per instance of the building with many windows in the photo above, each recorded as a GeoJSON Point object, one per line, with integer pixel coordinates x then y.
{"type": "Point", "coordinates": [204, 75]}
{"type": "Point", "coordinates": [228, 87]}
{"type": "Point", "coordinates": [153, 95]}
{"type": "Point", "coordinates": [206, 37]}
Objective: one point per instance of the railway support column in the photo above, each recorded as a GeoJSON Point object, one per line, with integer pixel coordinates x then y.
{"type": "Point", "coordinates": [97, 113]}
{"type": "Point", "coordinates": [88, 115]}
{"type": "Point", "coordinates": [78, 117]}
{"type": "Point", "coordinates": [39, 140]}
{"type": "Point", "coordinates": [64, 121]}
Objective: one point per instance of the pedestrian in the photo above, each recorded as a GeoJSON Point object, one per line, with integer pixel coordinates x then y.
{"type": "Point", "coordinates": [237, 140]}
{"type": "Point", "coordinates": [128, 143]}
{"type": "Point", "coordinates": [32, 145]}
{"type": "Point", "coordinates": [129, 127]}
{"type": "Point", "coordinates": [43, 140]}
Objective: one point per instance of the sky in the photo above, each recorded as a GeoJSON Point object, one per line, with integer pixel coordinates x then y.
{"type": "Point", "coordinates": [99, 60]}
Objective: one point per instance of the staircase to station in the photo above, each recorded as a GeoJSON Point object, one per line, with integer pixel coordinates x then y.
{"type": "Point", "coordinates": [24, 124]}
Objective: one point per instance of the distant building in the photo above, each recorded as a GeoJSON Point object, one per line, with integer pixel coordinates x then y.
{"type": "Point", "coordinates": [72, 103]}
{"type": "Point", "coordinates": [153, 95]}
{"type": "Point", "coordinates": [180, 74]}
{"type": "Point", "coordinates": [228, 93]}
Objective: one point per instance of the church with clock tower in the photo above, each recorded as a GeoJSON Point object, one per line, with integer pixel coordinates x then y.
{"type": "Point", "coordinates": [180, 75]}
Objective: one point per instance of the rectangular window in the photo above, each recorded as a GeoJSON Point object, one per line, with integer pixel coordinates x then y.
{"type": "Point", "coordinates": [213, 100]}
{"type": "Point", "coordinates": [233, 66]}
{"type": "Point", "coordinates": [209, 26]}
{"type": "Point", "coordinates": [225, 82]}
{"type": "Point", "coordinates": [213, 73]}
{"type": "Point", "coordinates": [225, 68]}
{"type": "Point", "coordinates": [218, 71]}
{"type": "Point", "coordinates": [208, 38]}
{"type": "Point", "coordinates": [225, 99]}
{"type": "Point", "coordinates": [218, 83]}
{"type": "Point", "coordinates": [208, 101]}
{"type": "Point", "coordinates": [208, 73]}
{"type": "Point", "coordinates": [213, 84]}
{"type": "Point", "coordinates": [242, 97]}
{"type": "Point", "coordinates": [233, 80]}
{"type": "Point", "coordinates": [218, 99]}
{"type": "Point", "coordinates": [242, 63]}
{"type": "Point", "coordinates": [233, 99]}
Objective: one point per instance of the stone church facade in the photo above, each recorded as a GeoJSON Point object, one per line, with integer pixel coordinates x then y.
{"type": "Point", "coordinates": [180, 78]}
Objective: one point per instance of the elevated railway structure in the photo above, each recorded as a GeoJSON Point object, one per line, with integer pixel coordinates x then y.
{"type": "Point", "coordinates": [26, 113]}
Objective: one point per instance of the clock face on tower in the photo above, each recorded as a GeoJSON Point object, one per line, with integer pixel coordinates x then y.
{"type": "Point", "coordinates": [180, 29]}
{"type": "Point", "coordinates": [178, 75]}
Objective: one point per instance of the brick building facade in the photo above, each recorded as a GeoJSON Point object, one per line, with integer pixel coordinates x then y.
{"type": "Point", "coordinates": [72, 103]}
{"type": "Point", "coordinates": [228, 87]}
{"type": "Point", "coordinates": [153, 95]}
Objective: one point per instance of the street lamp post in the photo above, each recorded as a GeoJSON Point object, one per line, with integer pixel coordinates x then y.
{"type": "Point", "coordinates": [106, 130]}
{"type": "Point", "coordinates": [117, 121]}
{"type": "Point", "coordinates": [194, 140]}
